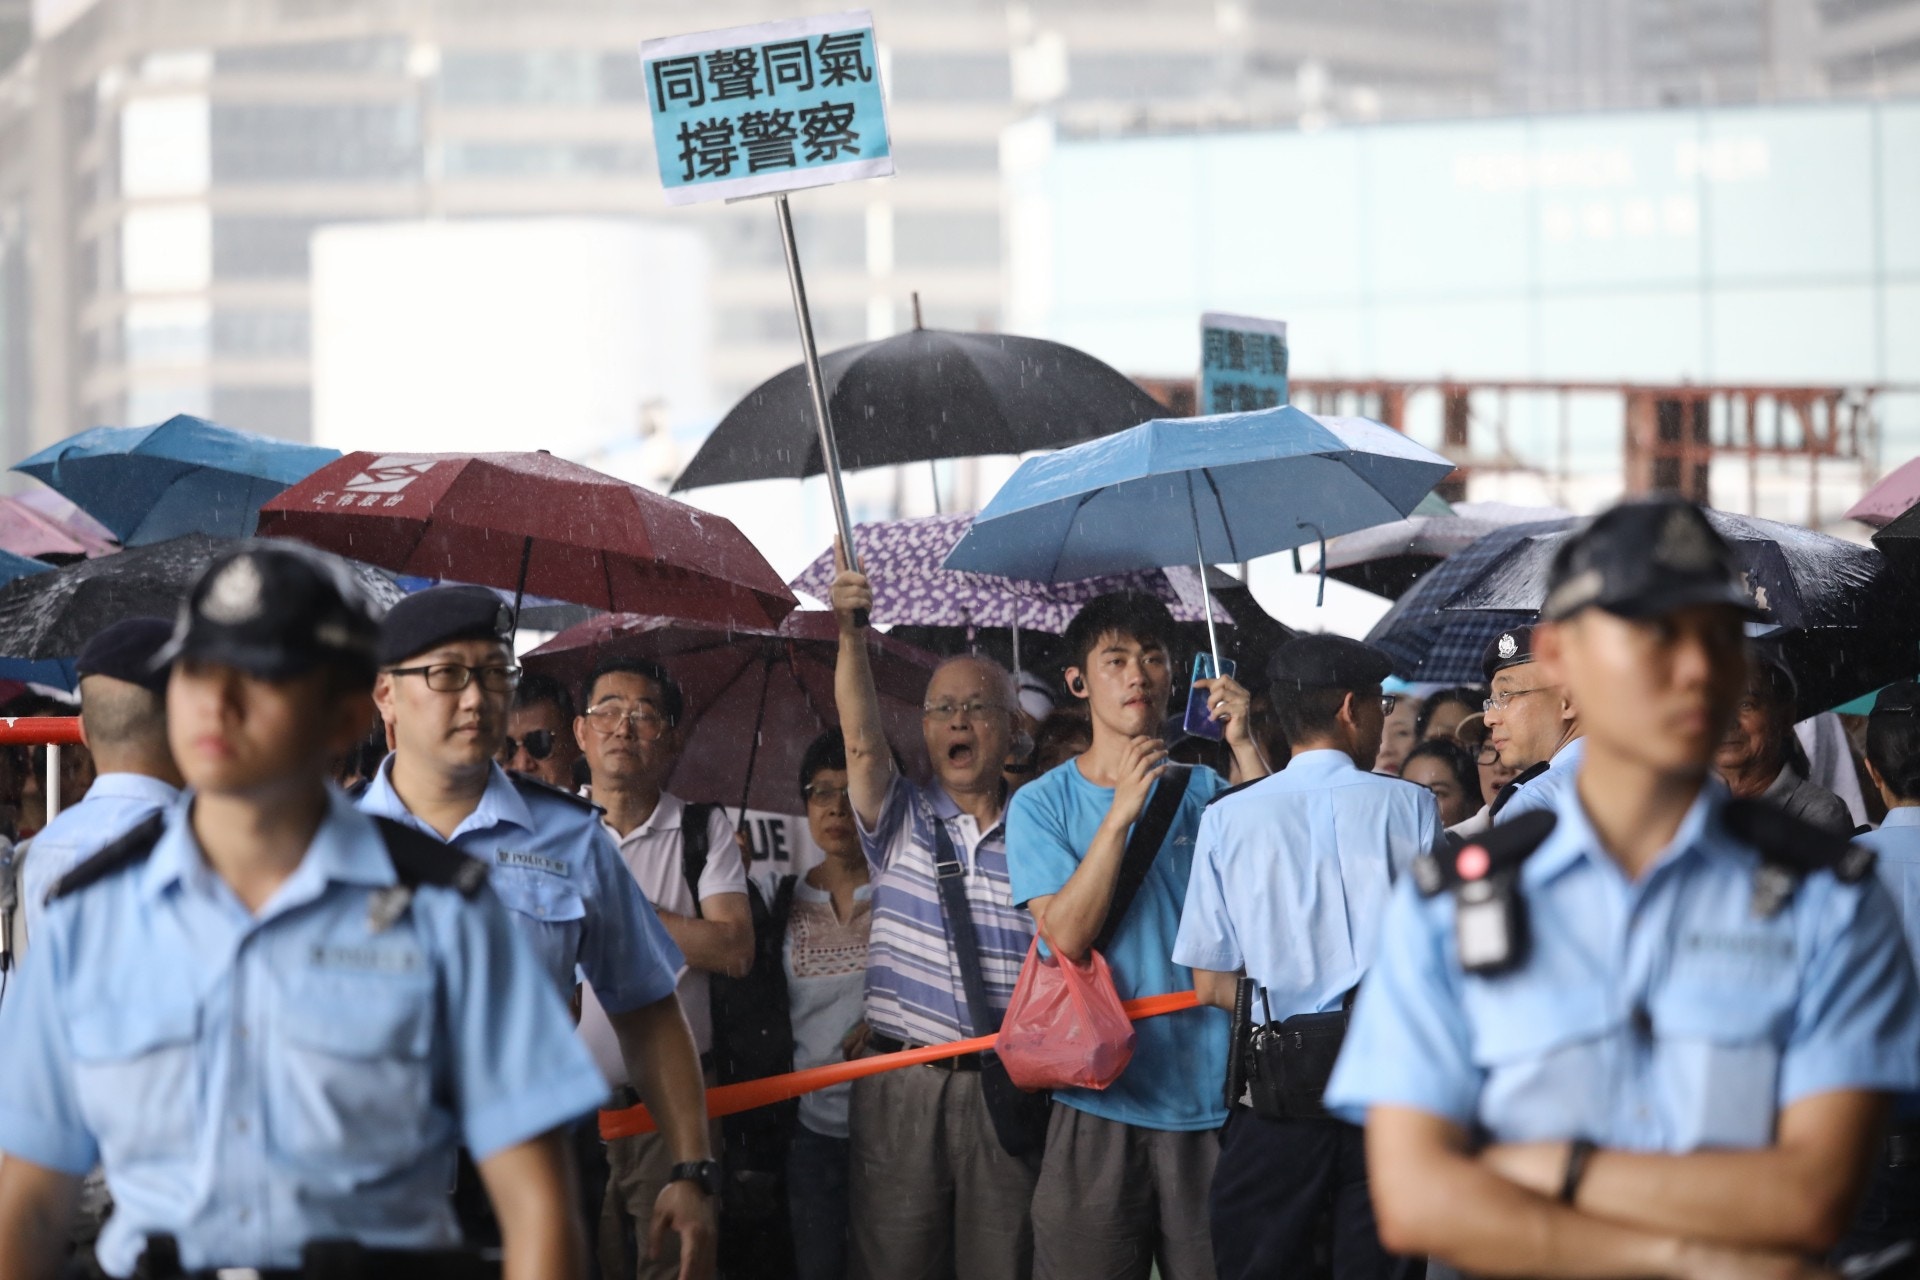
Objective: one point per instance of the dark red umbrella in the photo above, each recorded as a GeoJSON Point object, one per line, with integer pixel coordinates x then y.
{"type": "Point", "coordinates": [755, 696]}
{"type": "Point", "coordinates": [535, 523]}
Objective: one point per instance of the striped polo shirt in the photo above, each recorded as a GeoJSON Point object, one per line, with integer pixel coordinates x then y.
{"type": "Point", "coordinates": [914, 992]}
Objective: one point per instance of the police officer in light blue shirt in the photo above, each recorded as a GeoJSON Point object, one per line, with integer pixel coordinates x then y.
{"type": "Point", "coordinates": [1890, 1212]}
{"type": "Point", "coordinates": [1651, 1032]}
{"type": "Point", "coordinates": [446, 680]}
{"type": "Point", "coordinates": [1290, 881]}
{"type": "Point", "coordinates": [1531, 723]}
{"type": "Point", "coordinates": [268, 1016]}
{"type": "Point", "coordinates": [123, 717]}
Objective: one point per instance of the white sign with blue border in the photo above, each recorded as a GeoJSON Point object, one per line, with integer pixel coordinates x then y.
{"type": "Point", "coordinates": [1243, 363]}
{"type": "Point", "coordinates": [777, 106]}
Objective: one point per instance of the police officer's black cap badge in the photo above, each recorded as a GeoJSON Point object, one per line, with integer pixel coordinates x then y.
{"type": "Point", "coordinates": [1328, 662]}
{"type": "Point", "coordinates": [126, 651]}
{"type": "Point", "coordinates": [1641, 559]}
{"type": "Point", "coordinates": [441, 615]}
{"type": "Point", "coordinates": [1508, 649]}
{"type": "Point", "coordinates": [277, 610]}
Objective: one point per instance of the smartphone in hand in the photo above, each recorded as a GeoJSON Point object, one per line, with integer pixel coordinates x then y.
{"type": "Point", "coordinates": [1197, 721]}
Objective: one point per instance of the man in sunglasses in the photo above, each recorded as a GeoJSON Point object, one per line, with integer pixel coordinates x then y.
{"type": "Point", "coordinates": [447, 676]}
{"type": "Point", "coordinates": [1534, 725]}
{"type": "Point", "coordinates": [540, 741]}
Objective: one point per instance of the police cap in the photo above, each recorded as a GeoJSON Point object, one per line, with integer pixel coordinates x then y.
{"type": "Point", "coordinates": [1328, 662]}
{"type": "Point", "coordinates": [1508, 649]}
{"type": "Point", "coordinates": [1643, 558]}
{"type": "Point", "coordinates": [276, 610]}
{"type": "Point", "coordinates": [441, 615]}
{"type": "Point", "coordinates": [126, 651]}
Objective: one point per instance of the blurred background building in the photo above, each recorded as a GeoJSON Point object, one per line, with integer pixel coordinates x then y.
{"type": "Point", "coordinates": [173, 172]}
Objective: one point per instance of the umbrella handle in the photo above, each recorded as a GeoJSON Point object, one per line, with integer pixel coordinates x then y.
{"type": "Point", "coordinates": [1320, 598]}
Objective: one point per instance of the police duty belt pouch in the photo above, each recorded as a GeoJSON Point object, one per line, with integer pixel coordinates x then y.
{"type": "Point", "coordinates": [1065, 1027]}
{"type": "Point", "coordinates": [1289, 1063]}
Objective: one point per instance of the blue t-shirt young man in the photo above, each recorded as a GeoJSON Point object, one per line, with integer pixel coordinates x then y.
{"type": "Point", "coordinates": [1124, 1179]}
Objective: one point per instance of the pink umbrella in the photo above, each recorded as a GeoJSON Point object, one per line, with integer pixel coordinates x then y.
{"type": "Point", "coordinates": [1897, 491]}
{"type": "Point", "coordinates": [26, 532]}
{"type": "Point", "coordinates": [97, 538]}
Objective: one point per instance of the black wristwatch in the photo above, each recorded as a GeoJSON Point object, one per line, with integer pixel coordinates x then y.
{"type": "Point", "coordinates": [704, 1174]}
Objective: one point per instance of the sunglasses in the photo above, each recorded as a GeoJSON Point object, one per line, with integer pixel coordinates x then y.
{"type": "Point", "coordinates": [539, 745]}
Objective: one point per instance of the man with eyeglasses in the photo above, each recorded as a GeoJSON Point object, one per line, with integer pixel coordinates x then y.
{"type": "Point", "coordinates": [682, 858]}
{"type": "Point", "coordinates": [540, 741]}
{"type": "Point", "coordinates": [447, 674]}
{"type": "Point", "coordinates": [933, 1189]}
{"type": "Point", "coordinates": [1534, 725]}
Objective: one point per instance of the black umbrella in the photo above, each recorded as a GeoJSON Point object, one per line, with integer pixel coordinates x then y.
{"type": "Point", "coordinates": [917, 396]}
{"type": "Point", "coordinates": [1833, 610]}
{"type": "Point", "coordinates": [52, 615]}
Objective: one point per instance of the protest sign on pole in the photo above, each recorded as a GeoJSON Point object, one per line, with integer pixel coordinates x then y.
{"type": "Point", "coordinates": [1243, 363]}
{"type": "Point", "coordinates": [765, 110]}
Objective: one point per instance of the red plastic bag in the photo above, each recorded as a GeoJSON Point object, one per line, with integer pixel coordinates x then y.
{"type": "Point", "coordinates": [1065, 1027]}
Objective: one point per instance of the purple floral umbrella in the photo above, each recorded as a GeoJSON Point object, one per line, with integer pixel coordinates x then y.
{"type": "Point", "coordinates": [902, 560]}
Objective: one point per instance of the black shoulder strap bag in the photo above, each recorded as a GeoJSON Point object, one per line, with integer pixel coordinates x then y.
{"type": "Point", "coordinates": [1020, 1118]}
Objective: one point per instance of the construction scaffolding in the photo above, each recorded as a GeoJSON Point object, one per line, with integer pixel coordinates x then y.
{"type": "Point", "coordinates": [1670, 435]}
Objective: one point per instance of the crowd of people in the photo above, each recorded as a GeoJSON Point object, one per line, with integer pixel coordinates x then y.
{"type": "Point", "coordinates": [352, 929]}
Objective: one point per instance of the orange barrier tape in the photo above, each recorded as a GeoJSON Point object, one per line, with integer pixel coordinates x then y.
{"type": "Point", "coordinates": [731, 1099]}
{"type": "Point", "coordinates": [40, 731]}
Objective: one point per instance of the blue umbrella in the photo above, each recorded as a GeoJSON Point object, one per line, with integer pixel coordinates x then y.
{"type": "Point", "coordinates": [1173, 491]}
{"type": "Point", "coordinates": [186, 475]}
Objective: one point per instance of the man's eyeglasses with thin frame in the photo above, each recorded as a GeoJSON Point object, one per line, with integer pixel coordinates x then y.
{"type": "Point", "coordinates": [452, 677]}
{"type": "Point", "coordinates": [824, 796]}
{"type": "Point", "coordinates": [1499, 701]}
{"type": "Point", "coordinates": [971, 709]}
{"type": "Point", "coordinates": [647, 724]}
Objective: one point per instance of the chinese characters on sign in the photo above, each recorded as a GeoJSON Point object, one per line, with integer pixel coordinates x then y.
{"type": "Point", "coordinates": [1243, 363]}
{"type": "Point", "coordinates": [775, 107]}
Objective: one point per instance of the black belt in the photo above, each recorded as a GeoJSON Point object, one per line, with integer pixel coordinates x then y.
{"type": "Point", "coordinates": [887, 1044]}
{"type": "Point", "coordinates": [332, 1260]}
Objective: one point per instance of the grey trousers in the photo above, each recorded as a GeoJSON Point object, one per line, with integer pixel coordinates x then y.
{"type": "Point", "coordinates": [933, 1195]}
{"type": "Point", "coordinates": [638, 1168]}
{"type": "Point", "coordinates": [1115, 1198]}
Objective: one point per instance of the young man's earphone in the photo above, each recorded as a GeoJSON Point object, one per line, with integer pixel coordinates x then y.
{"type": "Point", "coordinates": [1077, 685]}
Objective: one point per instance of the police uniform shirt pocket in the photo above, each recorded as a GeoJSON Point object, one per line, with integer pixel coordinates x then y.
{"type": "Point", "coordinates": [538, 887]}
{"type": "Point", "coordinates": [351, 1083]}
{"type": "Point", "coordinates": [1548, 1050]}
{"type": "Point", "coordinates": [136, 1076]}
{"type": "Point", "coordinates": [1718, 1025]}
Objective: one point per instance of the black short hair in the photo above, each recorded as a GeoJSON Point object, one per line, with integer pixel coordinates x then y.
{"type": "Point", "coordinates": [1306, 713]}
{"type": "Point", "coordinates": [1469, 696]}
{"type": "Point", "coordinates": [536, 688]}
{"type": "Point", "coordinates": [672, 702]}
{"type": "Point", "coordinates": [1466, 771]}
{"type": "Point", "coordinates": [828, 751]}
{"type": "Point", "coordinates": [1893, 741]}
{"type": "Point", "coordinates": [1133, 614]}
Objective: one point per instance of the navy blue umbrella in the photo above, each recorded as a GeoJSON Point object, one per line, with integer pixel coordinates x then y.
{"type": "Point", "coordinates": [1431, 642]}
{"type": "Point", "coordinates": [186, 475]}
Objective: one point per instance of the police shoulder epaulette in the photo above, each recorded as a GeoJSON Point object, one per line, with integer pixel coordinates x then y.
{"type": "Point", "coordinates": [1795, 845]}
{"type": "Point", "coordinates": [1520, 780]}
{"type": "Point", "coordinates": [420, 859]}
{"type": "Point", "coordinates": [129, 850]}
{"type": "Point", "coordinates": [1235, 789]}
{"type": "Point", "coordinates": [1500, 849]}
{"type": "Point", "coordinates": [536, 787]}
